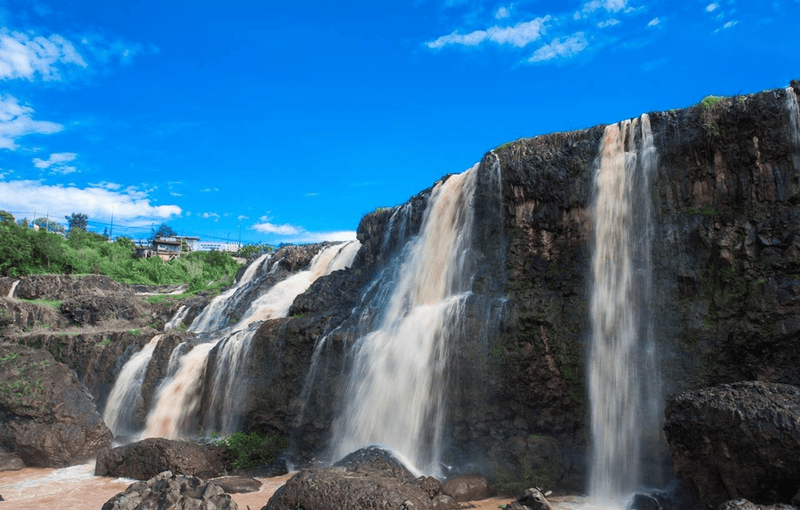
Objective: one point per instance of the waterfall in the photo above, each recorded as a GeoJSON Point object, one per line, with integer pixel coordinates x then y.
{"type": "Point", "coordinates": [125, 398]}
{"type": "Point", "coordinates": [396, 390]}
{"type": "Point", "coordinates": [622, 348]}
{"type": "Point", "coordinates": [174, 413]}
{"type": "Point", "coordinates": [177, 319]}
{"type": "Point", "coordinates": [793, 109]}
{"type": "Point", "coordinates": [13, 289]}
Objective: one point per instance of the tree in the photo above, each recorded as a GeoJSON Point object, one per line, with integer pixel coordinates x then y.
{"type": "Point", "coordinates": [6, 218]}
{"type": "Point", "coordinates": [77, 221]}
{"type": "Point", "coordinates": [163, 230]}
{"type": "Point", "coordinates": [49, 225]}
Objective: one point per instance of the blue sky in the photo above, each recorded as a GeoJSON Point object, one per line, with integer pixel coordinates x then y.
{"type": "Point", "coordinates": [288, 121]}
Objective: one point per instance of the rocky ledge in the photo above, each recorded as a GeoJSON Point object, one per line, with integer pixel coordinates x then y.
{"type": "Point", "coordinates": [176, 492]}
{"type": "Point", "coordinates": [739, 440]}
{"type": "Point", "coordinates": [147, 458]}
{"type": "Point", "coordinates": [47, 416]}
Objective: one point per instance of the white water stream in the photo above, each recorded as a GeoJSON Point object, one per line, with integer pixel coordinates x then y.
{"type": "Point", "coordinates": [178, 399]}
{"type": "Point", "coordinates": [622, 351]}
{"type": "Point", "coordinates": [396, 390]}
{"type": "Point", "coordinates": [793, 109]}
{"type": "Point", "coordinates": [13, 289]}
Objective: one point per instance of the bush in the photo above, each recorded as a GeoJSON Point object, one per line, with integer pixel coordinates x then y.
{"type": "Point", "coordinates": [250, 450]}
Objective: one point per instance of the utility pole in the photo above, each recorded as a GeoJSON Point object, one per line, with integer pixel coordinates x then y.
{"type": "Point", "coordinates": [111, 232]}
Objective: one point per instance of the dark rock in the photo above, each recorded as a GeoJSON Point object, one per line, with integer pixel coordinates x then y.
{"type": "Point", "coordinates": [367, 479]}
{"type": "Point", "coordinates": [796, 499]}
{"type": "Point", "coordinates": [145, 459]}
{"type": "Point", "coordinates": [237, 484]}
{"type": "Point", "coordinates": [644, 502]}
{"type": "Point", "coordinates": [737, 440]}
{"type": "Point", "coordinates": [22, 315]}
{"type": "Point", "coordinates": [534, 499]}
{"type": "Point", "coordinates": [467, 487]}
{"type": "Point", "coordinates": [10, 462]}
{"type": "Point", "coordinates": [743, 504]}
{"type": "Point", "coordinates": [92, 309]}
{"type": "Point", "coordinates": [47, 416]}
{"type": "Point", "coordinates": [173, 492]}
{"type": "Point", "coordinates": [60, 287]}
{"type": "Point", "coordinates": [277, 468]}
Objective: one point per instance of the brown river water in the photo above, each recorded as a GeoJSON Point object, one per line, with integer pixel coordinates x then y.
{"type": "Point", "coordinates": [76, 488]}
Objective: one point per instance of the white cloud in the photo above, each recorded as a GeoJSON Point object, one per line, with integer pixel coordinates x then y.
{"type": "Point", "coordinates": [208, 215]}
{"type": "Point", "coordinates": [608, 23]}
{"type": "Point", "coordinates": [16, 120]}
{"type": "Point", "coordinates": [566, 48]}
{"type": "Point", "coordinates": [242, 217]}
{"type": "Point", "coordinates": [22, 56]}
{"type": "Point", "coordinates": [596, 5]}
{"type": "Point", "coordinates": [57, 159]}
{"type": "Point", "coordinates": [519, 35]}
{"type": "Point", "coordinates": [502, 13]}
{"type": "Point", "coordinates": [654, 22]}
{"type": "Point", "coordinates": [94, 201]}
{"type": "Point", "coordinates": [293, 234]}
{"type": "Point", "coordinates": [726, 26]}
{"type": "Point", "coordinates": [271, 228]}
{"type": "Point", "coordinates": [712, 7]}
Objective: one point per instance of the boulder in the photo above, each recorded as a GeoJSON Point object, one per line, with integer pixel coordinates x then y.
{"type": "Point", "coordinates": [10, 462]}
{"type": "Point", "coordinates": [530, 499]}
{"type": "Point", "coordinates": [237, 484]}
{"type": "Point", "coordinates": [147, 458]}
{"type": "Point", "coordinates": [367, 479]}
{"type": "Point", "coordinates": [743, 504]}
{"type": "Point", "coordinates": [739, 440]}
{"type": "Point", "coordinates": [47, 416]}
{"type": "Point", "coordinates": [174, 492]}
{"type": "Point", "coordinates": [90, 309]}
{"type": "Point", "coordinates": [467, 487]}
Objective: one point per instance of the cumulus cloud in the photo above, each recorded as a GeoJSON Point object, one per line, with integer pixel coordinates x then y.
{"type": "Point", "coordinates": [94, 201]}
{"type": "Point", "coordinates": [712, 7]}
{"type": "Point", "coordinates": [16, 120]}
{"type": "Point", "coordinates": [596, 5]}
{"type": "Point", "coordinates": [271, 228]}
{"type": "Point", "coordinates": [208, 215]}
{"type": "Point", "coordinates": [502, 13]}
{"type": "Point", "coordinates": [654, 22]}
{"type": "Point", "coordinates": [23, 56]}
{"type": "Point", "coordinates": [242, 217]}
{"type": "Point", "coordinates": [608, 23]}
{"type": "Point", "coordinates": [519, 35]}
{"type": "Point", "coordinates": [560, 48]}
{"type": "Point", "coordinates": [57, 163]}
{"type": "Point", "coordinates": [294, 234]}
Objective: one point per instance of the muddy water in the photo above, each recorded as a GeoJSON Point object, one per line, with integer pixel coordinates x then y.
{"type": "Point", "coordinates": [76, 488]}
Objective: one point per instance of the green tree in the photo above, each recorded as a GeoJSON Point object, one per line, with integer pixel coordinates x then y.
{"type": "Point", "coordinates": [77, 221]}
{"type": "Point", "coordinates": [49, 225]}
{"type": "Point", "coordinates": [6, 218]}
{"type": "Point", "coordinates": [163, 230]}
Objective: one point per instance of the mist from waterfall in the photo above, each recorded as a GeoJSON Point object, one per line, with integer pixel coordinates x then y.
{"type": "Point", "coordinates": [624, 386]}
{"type": "Point", "coordinates": [178, 399]}
{"type": "Point", "coordinates": [395, 394]}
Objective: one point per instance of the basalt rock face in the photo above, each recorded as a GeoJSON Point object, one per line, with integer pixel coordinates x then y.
{"type": "Point", "coordinates": [47, 416]}
{"type": "Point", "coordinates": [739, 440]}
{"type": "Point", "coordinates": [149, 457]}
{"type": "Point", "coordinates": [725, 247]}
{"type": "Point", "coordinates": [178, 492]}
{"type": "Point", "coordinates": [366, 479]}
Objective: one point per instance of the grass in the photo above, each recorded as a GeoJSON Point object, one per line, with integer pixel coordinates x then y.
{"type": "Point", "coordinates": [709, 102]}
{"type": "Point", "coordinates": [54, 303]}
{"type": "Point", "coordinates": [136, 332]}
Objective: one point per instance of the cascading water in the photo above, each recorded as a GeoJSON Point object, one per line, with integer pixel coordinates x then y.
{"type": "Point", "coordinates": [124, 399]}
{"type": "Point", "coordinates": [177, 319]}
{"type": "Point", "coordinates": [622, 348]}
{"type": "Point", "coordinates": [396, 390]}
{"type": "Point", "coordinates": [13, 289]}
{"type": "Point", "coordinates": [178, 400]}
{"type": "Point", "coordinates": [793, 110]}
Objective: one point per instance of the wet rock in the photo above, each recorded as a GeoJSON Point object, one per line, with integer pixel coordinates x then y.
{"type": "Point", "coordinates": [530, 499]}
{"type": "Point", "coordinates": [237, 484]}
{"type": "Point", "coordinates": [467, 487]}
{"type": "Point", "coordinates": [10, 462]}
{"type": "Point", "coordinates": [61, 287]}
{"type": "Point", "coordinates": [277, 468]}
{"type": "Point", "coordinates": [47, 416]}
{"type": "Point", "coordinates": [743, 504]}
{"type": "Point", "coordinates": [173, 492]}
{"type": "Point", "coordinates": [736, 440]}
{"type": "Point", "coordinates": [367, 479]}
{"type": "Point", "coordinates": [145, 459]}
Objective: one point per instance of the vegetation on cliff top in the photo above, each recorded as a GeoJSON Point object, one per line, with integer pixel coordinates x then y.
{"type": "Point", "coordinates": [24, 251]}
